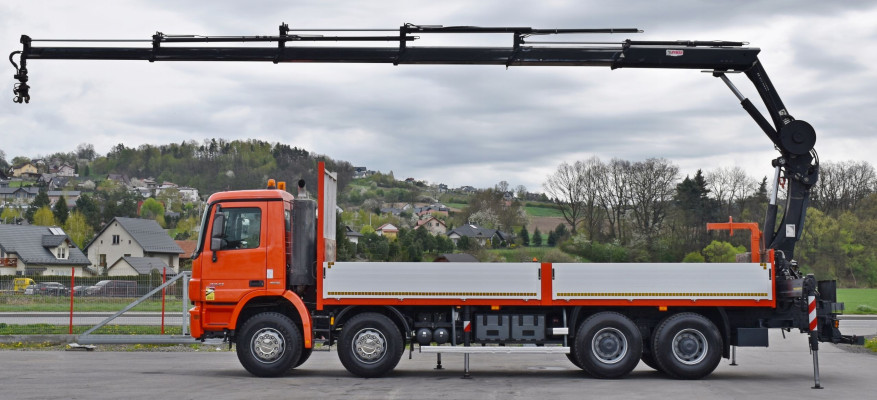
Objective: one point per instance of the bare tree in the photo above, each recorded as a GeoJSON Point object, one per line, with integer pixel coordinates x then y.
{"type": "Point", "coordinates": [612, 195]}
{"type": "Point", "coordinates": [842, 185]}
{"type": "Point", "coordinates": [652, 185]}
{"type": "Point", "coordinates": [730, 185]}
{"type": "Point", "coordinates": [567, 188]}
{"type": "Point", "coordinates": [521, 191]}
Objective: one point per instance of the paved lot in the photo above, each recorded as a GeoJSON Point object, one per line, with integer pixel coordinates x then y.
{"type": "Point", "coordinates": [781, 371]}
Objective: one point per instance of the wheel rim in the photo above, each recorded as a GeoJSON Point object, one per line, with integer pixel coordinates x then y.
{"type": "Point", "coordinates": [609, 345]}
{"type": "Point", "coordinates": [369, 345]}
{"type": "Point", "coordinates": [267, 345]}
{"type": "Point", "coordinates": [690, 346]}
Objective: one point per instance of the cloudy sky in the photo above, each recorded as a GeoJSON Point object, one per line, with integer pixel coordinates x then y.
{"type": "Point", "coordinates": [459, 125]}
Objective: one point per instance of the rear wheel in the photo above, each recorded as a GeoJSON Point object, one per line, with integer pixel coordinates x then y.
{"type": "Point", "coordinates": [608, 345]}
{"type": "Point", "coordinates": [370, 345]}
{"type": "Point", "coordinates": [687, 346]}
{"type": "Point", "coordinates": [269, 344]}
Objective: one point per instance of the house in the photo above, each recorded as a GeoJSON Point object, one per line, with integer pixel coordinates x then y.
{"type": "Point", "coordinates": [18, 195]}
{"type": "Point", "coordinates": [434, 209]}
{"type": "Point", "coordinates": [26, 170]}
{"type": "Point", "coordinates": [456, 257]}
{"type": "Point", "coordinates": [70, 196]}
{"type": "Point", "coordinates": [53, 181]}
{"type": "Point", "coordinates": [130, 266]}
{"type": "Point", "coordinates": [352, 235]}
{"type": "Point", "coordinates": [433, 225]}
{"type": "Point", "coordinates": [481, 235]}
{"type": "Point", "coordinates": [39, 250]}
{"type": "Point", "coordinates": [132, 237]}
{"type": "Point", "coordinates": [65, 170]}
{"type": "Point", "coordinates": [189, 195]}
{"type": "Point", "coordinates": [188, 247]}
{"type": "Point", "coordinates": [121, 179]}
{"type": "Point", "coordinates": [388, 230]}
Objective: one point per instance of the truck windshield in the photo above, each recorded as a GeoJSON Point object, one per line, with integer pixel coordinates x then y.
{"type": "Point", "coordinates": [200, 245]}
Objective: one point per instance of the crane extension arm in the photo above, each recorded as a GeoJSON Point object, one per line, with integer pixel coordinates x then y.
{"type": "Point", "coordinates": [794, 139]}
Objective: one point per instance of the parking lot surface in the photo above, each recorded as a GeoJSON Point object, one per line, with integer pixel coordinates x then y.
{"type": "Point", "coordinates": [783, 370]}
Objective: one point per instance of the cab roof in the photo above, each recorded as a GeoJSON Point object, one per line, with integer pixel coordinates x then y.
{"type": "Point", "coordinates": [260, 194]}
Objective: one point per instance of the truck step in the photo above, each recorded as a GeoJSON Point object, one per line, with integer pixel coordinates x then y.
{"type": "Point", "coordinates": [495, 349]}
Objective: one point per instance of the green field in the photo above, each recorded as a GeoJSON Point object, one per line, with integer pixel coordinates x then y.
{"type": "Point", "coordinates": [543, 212]}
{"type": "Point", "coordinates": [858, 301]}
{"type": "Point", "coordinates": [20, 302]}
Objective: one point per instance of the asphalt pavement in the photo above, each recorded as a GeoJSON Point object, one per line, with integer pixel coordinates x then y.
{"type": "Point", "coordinates": [782, 371]}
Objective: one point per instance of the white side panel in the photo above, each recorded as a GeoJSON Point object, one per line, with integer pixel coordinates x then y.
{"type": "Point", "coordinates": [406, 280]}
{"type": "Point", "coordinates": [688, 281]}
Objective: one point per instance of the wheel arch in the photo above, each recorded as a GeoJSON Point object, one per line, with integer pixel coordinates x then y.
{"type": "Point", "coordinates": [391, 312]}
{"type": "Point", "coordinates": [288, 304]}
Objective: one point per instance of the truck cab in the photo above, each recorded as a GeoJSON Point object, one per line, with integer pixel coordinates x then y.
{"type": "Point", "coordinates": [245, 262]}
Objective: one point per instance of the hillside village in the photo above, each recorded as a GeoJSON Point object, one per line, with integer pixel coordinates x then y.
{"type": "Point", "coordinates": [136, 211]}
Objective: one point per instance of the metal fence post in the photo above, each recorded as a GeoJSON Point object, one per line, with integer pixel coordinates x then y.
{"type": "Point", "coordinates": [185, 320]}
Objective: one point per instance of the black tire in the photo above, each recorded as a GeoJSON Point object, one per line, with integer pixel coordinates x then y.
{"type": "Point", "coordinates": [608, 345]}
{"type": "Point", "coordinates": [572, 356]}
{"type": "Point", "coordinates": [687, 346]}
{"type": "Point", "coordinates": [649, 359]}
{"type": "Point", "coordinates": [370, 345]}
{"type": "Point", "coordinates": [269, 344]}
{"type": "Point", "coordinates": [305, 354]}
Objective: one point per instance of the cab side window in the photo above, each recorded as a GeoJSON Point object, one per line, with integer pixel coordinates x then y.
{"type": "Point", "coordinates": [243, 228]}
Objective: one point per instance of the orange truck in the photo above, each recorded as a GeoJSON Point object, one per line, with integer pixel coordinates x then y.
{"type": "Point", "coordinates": [264, 275]}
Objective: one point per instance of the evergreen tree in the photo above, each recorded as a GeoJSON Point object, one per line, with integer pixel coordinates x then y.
{"type": "Point", "coordinates": [61, 211]}
{"type": "Point", "coordinates": [537, 237]}
{"type": "Point", "coordinates": [552, 239]}
{"type": "Point", "coordinates": [525, 236]}
{"type": "Point", "coordinates": [40, 201]}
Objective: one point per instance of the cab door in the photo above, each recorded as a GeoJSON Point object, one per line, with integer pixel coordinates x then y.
{"type": "Point", "coordinates": [235, 262]}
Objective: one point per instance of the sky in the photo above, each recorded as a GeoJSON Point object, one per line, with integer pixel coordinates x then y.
{"type": "Point", "coordinates": [451, 124]}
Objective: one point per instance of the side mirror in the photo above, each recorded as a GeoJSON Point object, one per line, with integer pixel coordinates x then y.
{"type": "Point", "coordinates": [217, 232]}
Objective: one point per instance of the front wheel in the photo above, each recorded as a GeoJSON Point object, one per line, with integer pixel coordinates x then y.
{"type": "Point", "coordinates": [370, 345]}
{"type": "Point", "coordinates": [687, 346]}
{"type": "Point", "coordinates": [269, 344]}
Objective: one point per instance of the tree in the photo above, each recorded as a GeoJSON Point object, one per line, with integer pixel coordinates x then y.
{"type": "Point", "coordinates": [41, 200]}
{"type": "Point", "coordinates": [525, 236]}
{"type": "Point", "coordinates": [651, 184]}
{"type": "Point", "coordinates": [152, 209]}
{"type": "Point", "coordinates": [78, 229]}
{"type": "Point", "coordinates": [537, 238]}
{"type": "Point", "coordinates": [842, 185]}
{"type": "Point", "coordinates": [60, 210]}
{"type": "Point", "coordinates": [86, 205]}
{"type": "Point", "coordinates": [569, 187]}
{"type": "Point", "coordinates": [10, 215]}
{"type": "Point", "coordinates": [85, 151]}
{"type": "Point", "coordinates": [721, 252]}
{"type": "Point", "coordinates": [552, 239]}
{"type": "Point", "coordinates": [44, 217]}
{"type": "Point", "coordinates": [613, 195]}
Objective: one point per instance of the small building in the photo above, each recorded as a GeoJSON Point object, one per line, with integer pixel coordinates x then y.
{"type": "Point", "coordinates": [352, 235]}
{"type": "Point", "coordinates": [433, 225]}
{"type": "Point", "coordinates": [481, 235]}
{"type": "Point", "coordinates": [132, 237]}
{"type": "Point", "coordinates": [388, 230]}
{"type": "Point", "coordinates": [26, 170]}
{"type": "Point", "coordinates": [456, 257]}
{"type": "Point", "coordinates": [39, 250]}
{"type": "Point", "coordinates": [130, 266]}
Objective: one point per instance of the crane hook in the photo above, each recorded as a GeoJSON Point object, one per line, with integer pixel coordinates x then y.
{"type": "Point", "coordinates": [21, 90]}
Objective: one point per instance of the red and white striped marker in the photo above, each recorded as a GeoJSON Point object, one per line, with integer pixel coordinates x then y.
{"type": "Point", "coordinates": [467, 326]}
{"type": "Point", "coordinates": [812, 307]}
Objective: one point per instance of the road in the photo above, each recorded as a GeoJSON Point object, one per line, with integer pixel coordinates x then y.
{"type": "Point", "coordinates": [782, 371]}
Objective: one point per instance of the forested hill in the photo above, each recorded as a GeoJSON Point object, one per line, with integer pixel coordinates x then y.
{"type": "Point", "coordinates": [217, 164]}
